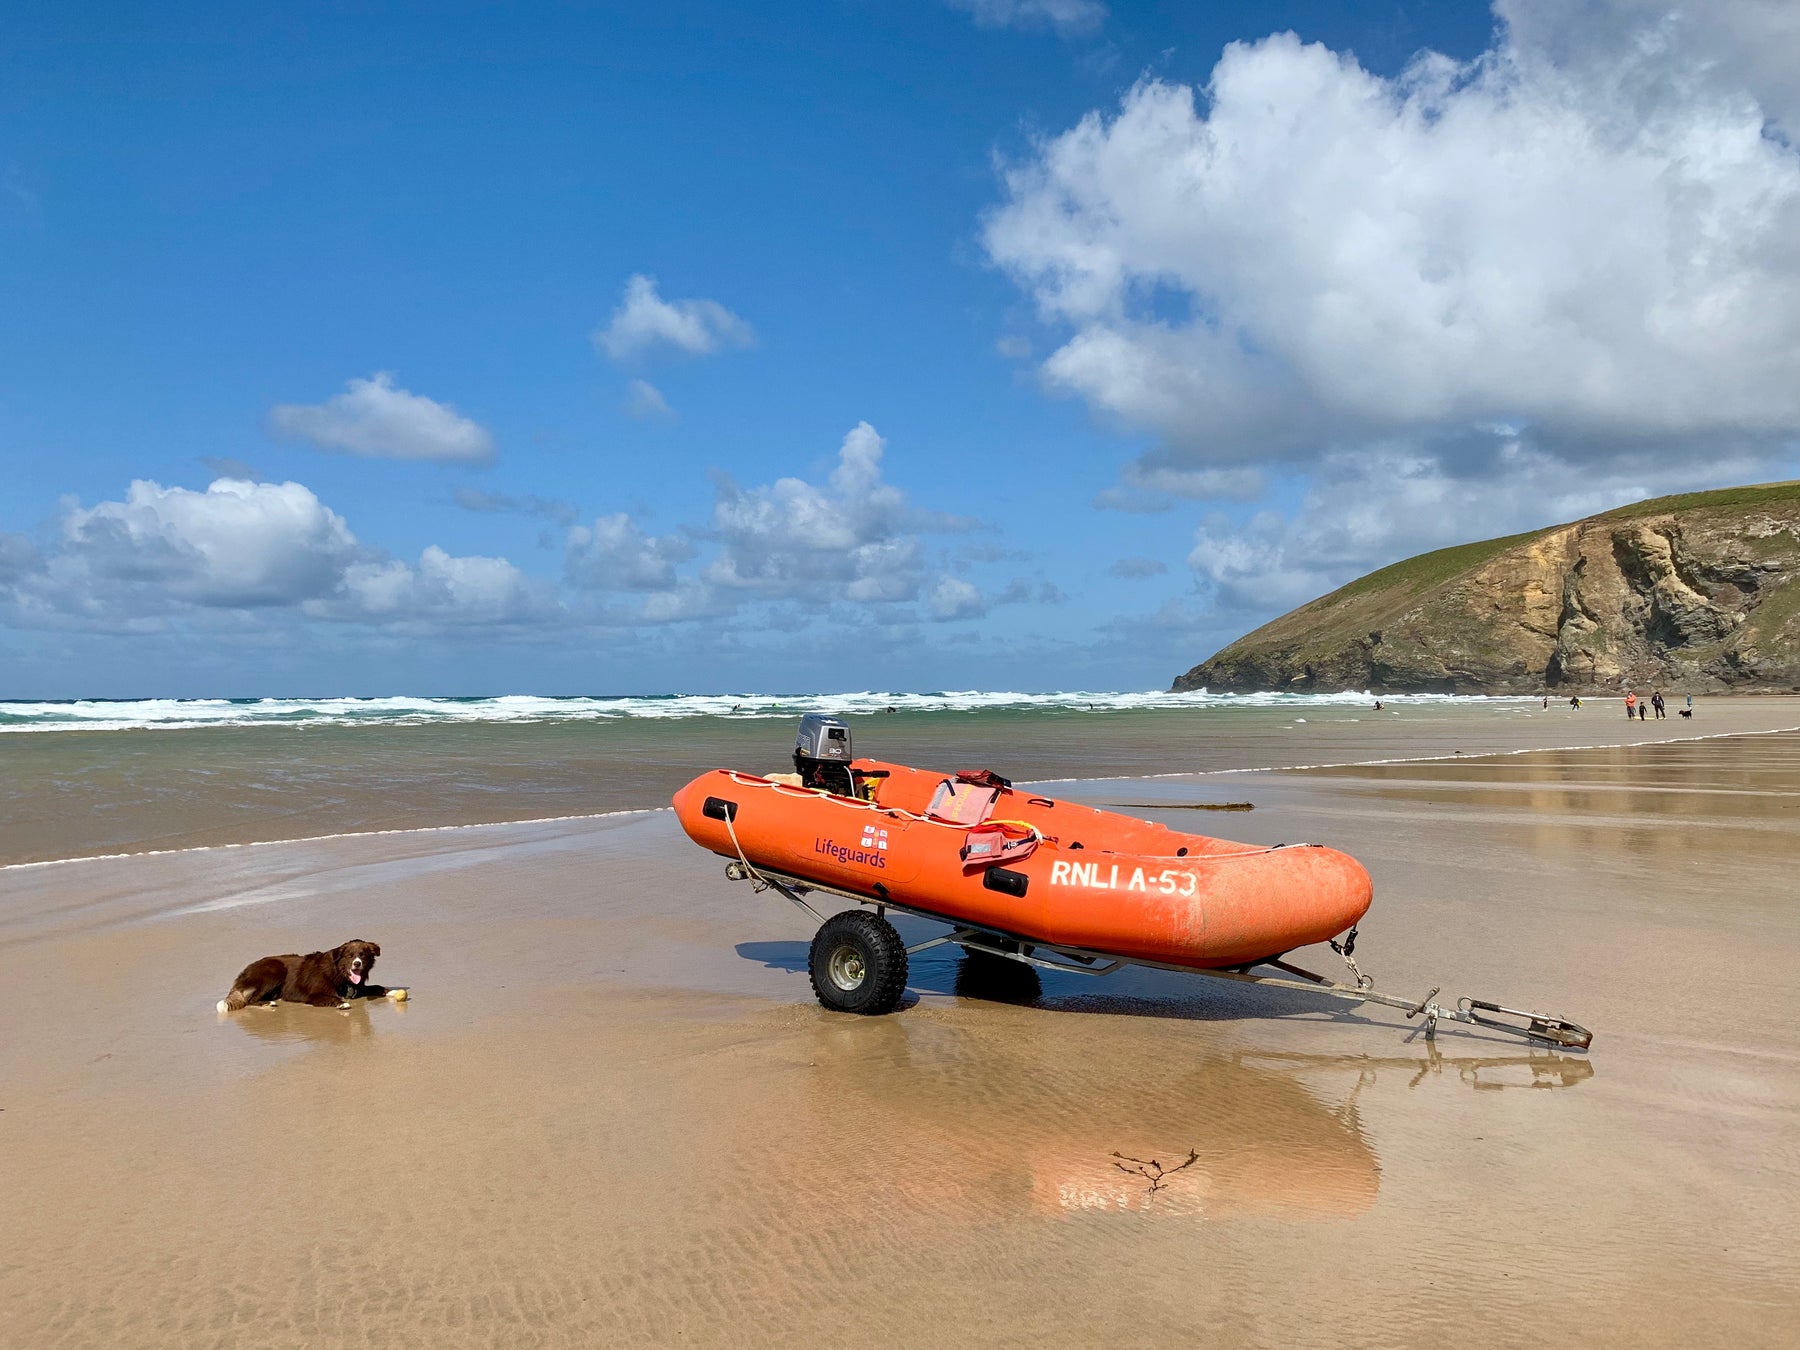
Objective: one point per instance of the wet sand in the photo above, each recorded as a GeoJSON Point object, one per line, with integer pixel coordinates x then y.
{"type": "Point", "coordinates": [612, 1113]}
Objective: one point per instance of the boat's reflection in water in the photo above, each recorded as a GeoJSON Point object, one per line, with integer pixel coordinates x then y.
{"type": "Point", "coordinates": [1065, 1115]}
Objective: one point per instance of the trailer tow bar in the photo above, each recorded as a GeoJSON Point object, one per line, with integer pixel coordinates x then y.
{"type": "Point", "coordinates": [1531, 1026]}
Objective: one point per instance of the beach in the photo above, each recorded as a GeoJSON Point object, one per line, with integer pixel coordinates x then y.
{"type": "Point", "coordinates": [612, 1113]}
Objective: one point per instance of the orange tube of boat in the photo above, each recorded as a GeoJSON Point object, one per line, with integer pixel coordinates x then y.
{"type": "Point", "coordinates": [1097, 881]}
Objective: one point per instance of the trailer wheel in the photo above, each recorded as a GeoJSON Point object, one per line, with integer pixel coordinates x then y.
{"type": "Point", "coordinates": [858, 963]}
{"type": "Point", "coordinates": [997, 979]}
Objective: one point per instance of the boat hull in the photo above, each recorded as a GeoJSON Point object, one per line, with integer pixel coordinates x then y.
{"type": "Point", "coordinates": [1098, 881]}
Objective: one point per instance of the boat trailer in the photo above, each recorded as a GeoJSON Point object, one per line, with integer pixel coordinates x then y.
{"type": "Point", "coordinates": [1531, 1026]}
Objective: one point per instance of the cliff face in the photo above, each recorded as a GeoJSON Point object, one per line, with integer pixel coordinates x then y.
{"type": "Point", "coordinates": [1698, 592]}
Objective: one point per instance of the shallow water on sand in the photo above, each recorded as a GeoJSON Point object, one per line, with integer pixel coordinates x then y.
{"type": "Point", "coordinates": [612, 1113]}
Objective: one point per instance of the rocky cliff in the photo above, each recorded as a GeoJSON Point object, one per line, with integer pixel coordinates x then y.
{"type": "Point", "coordinates": [1696, 592]}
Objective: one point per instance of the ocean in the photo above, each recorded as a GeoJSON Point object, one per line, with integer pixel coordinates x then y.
{"type": "Point", "coordinates": [102, 776]}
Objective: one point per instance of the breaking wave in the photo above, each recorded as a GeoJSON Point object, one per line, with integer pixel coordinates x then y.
{"type": "Point", "coordinates": [159, 714]}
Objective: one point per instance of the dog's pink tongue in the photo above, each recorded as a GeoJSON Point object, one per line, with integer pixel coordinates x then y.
{"type": "Point", "coordinates": [355, 977]}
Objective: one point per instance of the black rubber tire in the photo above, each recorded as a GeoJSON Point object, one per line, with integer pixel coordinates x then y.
{"type": "Point", "coordinates": [997, 979]}
{"type": "Point", "coordinates": [858, 964]}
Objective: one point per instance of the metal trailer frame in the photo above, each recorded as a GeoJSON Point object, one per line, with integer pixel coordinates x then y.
{"type": "Point", "coordinates": [1539, 1028]}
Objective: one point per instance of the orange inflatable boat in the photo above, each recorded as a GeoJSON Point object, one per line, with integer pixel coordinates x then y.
{"type": "Point", "coordinates": [1017, 876]}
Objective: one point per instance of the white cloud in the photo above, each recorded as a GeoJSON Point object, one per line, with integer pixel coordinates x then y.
{"type": "Point", "coordinates": [645, 402]}
{"type": "Point", "coordinates": [375, 417]}
{"type": "Point", "coordinates": [644, 321]}
{"type": "Point", "coordinates": [954, 598]}
{"type": "Point", "coordinates": [1586, 232]}
{"type": "Point", "coordinates": [854, 539]}
{"type": "Point", "coordinates": [243, 547]}
{"type": "Point", "coordinates": [236, 545]}
{"type": "Point", "coordinates": [439, 590]}
{"type": "Point", "coordinates": [616, 555]}
{"type": "Point", "coordinates": [1068, 17]}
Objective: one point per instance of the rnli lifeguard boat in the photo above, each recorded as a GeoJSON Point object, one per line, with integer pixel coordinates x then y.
{"type": "Point", "coordinates": [1032, 880]}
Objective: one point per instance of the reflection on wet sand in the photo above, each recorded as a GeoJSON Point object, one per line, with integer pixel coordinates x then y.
{"type": "Point", "coordinates": [1010, 1115]}
{"type": "Point", "coordinates": [296, 1022]}
{"type": "Point", "coordinates": [1527, 1069]}
{"type": "Point", "coordinates": [1009, 1121]}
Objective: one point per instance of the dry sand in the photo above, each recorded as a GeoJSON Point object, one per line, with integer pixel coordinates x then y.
{"type": "Point", "coordinates": [613, 1114]}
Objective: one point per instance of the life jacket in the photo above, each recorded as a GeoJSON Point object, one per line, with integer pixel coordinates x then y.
{"type": "Point", "coordinates": [998, 841]}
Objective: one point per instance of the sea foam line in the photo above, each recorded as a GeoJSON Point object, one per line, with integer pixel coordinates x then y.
{"type": "Point", "coordinates": [323, 838]}
{"type": "Point", "coordinates": [19, 716]}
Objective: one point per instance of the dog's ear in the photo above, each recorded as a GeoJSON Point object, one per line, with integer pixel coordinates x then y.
{"type": "Point", "coordinates": [374, 949]}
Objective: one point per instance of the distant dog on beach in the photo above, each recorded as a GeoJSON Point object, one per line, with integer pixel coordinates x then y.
{"type": "Point", "coordinates": [1685, 712]}
{"type": "Point", "coordinates": [324, 979]}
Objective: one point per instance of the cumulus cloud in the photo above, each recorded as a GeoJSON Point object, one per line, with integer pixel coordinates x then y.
{"type": "Point", "coordinates": [856, 538]}
{"type": "Point", "coordinates": [614, 554]}
{"type": "Point", "coordinates": [376, 417]}
{"type": "Point", "coordinates": [645, 321]}
{"type": "Point", "coordinates": [1595, 239]}
{"type": "Point", "coordinates": [236, 545]}
{"type": "Point", "coordinates": [1068, 17]}
{"type": "Point", "coordinates": [954, 598]}
{"type": "Point", "coordinates": [245, 547]}
{"type": "Point", "coordinates": [439, 590]}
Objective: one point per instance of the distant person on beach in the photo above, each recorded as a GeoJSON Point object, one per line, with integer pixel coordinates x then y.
{"type": "Point", "coordinates": [1377, 705]}
{"type": "Point", "coordinates": [1574, 700]}
{"type": "Point", "coordinates": [1643, 712]}
{"type": "Point", "coordinates": [1690, 700]}
{"type": "Point", "coordinates": [1630, 705]}
{"type": "Point", "coordinates": [1656, 701]}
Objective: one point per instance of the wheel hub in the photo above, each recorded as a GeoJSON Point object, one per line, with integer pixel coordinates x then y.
{"type": "Point", "coordinates": [846, 968]}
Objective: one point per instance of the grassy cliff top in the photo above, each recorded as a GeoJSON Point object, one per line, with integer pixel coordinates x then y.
{"type": "Point", "coordinates": [1756, 494]}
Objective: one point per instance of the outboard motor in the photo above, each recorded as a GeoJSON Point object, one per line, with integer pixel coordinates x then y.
{"type": "Point", "coordinates": [822, 754]}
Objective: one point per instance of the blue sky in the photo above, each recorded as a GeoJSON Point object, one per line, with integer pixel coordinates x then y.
{"type": "Point", "coordinates": [998, 343]}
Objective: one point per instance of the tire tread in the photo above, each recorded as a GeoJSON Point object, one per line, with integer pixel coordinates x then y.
{"type": "Point", "coordinates": [886, 960]}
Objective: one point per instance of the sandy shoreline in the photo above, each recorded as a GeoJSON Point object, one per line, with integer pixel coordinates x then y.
{"type": "Point", "coordinates": [613, 1115]}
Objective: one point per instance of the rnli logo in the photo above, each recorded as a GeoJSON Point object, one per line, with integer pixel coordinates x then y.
{"type": "Point", "coordinates": [874, 838]}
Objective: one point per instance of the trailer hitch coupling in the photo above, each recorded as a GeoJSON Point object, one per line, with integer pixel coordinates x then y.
{"type": "Point", "coordinates": [1536, 1026]}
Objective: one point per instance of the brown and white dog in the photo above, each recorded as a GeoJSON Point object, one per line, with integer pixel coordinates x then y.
{"type": "Point", "coordinates": [324, 979]}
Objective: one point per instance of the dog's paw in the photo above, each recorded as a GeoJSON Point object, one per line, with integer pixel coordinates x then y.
{"type": "Point", "coordinates": [222, 1006]}
{"type": "Point", "coordinates": [398, 995]}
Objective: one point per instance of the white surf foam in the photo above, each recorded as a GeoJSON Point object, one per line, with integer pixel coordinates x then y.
{"type": "Point", "coordinates": [157, 714]}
